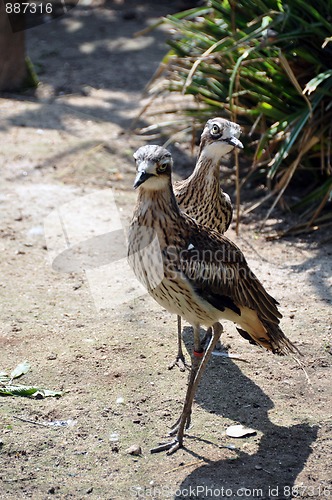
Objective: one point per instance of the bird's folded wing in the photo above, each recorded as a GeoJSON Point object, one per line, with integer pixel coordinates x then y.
{"type": "Point", "coordinates": [219, 273]}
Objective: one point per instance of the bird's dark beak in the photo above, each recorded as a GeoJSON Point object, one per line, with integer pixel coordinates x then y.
{"type": "Point", "coordinates": [141, 177]}
{"type": "Point", "coordinates": [234, 141]}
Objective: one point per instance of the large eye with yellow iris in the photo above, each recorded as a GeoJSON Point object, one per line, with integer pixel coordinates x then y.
{"type": "Point", "coordinates": [162, 166]}
{"type": "Point", "coordinates": [215, 130]}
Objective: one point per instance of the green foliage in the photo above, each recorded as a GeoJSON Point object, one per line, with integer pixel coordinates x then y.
{"type": "Point", "coordinates": [268, 64]}
{"type": "Point", "coordinates": [31, 80]}
{"type": "Point", "coordinates": [8, 388]}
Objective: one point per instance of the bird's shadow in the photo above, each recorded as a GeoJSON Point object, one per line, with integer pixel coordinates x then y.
{"type": "Point", "coordinates": [269, 472]}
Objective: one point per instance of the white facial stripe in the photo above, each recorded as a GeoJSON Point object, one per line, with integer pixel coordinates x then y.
{"type": "Point", "coordinates": [216, 150]}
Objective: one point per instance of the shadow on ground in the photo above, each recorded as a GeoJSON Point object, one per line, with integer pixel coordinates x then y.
{"type": "Point", "coordinates": [269, 472]}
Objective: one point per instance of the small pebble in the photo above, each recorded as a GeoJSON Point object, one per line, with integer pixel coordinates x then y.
{"type": "Point", "coordinates": [114, 437]}
{"type": "Point", "coordinates": [135, 449]}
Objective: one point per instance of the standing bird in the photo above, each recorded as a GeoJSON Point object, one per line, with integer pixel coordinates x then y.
{"type": "Point", "coordinates": [194, 272]}
{"type": "Point", "coordinates": [201, 196]}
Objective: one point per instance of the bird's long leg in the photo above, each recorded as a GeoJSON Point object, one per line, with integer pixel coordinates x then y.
{"type": "Point", "coordinates": [180, 360]}
{"type": "Point", "coordinates": [207, 338]}
{"type": "Point", "coordinates": [196, 361]}
{"type": "Point", "coordinates": [197, 370]}
{"type": "Point", "coordinates": [197, 357]}
{"type": "Point", "coordinates": [217, 331]}
{"type": "Point", "coordinates": [193, 384]}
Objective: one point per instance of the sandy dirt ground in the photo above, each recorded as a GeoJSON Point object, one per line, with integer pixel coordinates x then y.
{"type": "Point", "coordinates": [71, 144]}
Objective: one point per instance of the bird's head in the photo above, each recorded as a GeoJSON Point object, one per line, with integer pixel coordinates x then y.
{"type": "Point", "coordinates": [153, 167]}
{"type": "Point", "coordinates": [219, 137]}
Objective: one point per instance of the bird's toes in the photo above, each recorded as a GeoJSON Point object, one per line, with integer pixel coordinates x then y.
{"type": "Point", "coordinates": [174, 430]}
{"type": "Point", "coordinates": [176, 446]}
{"type": "Point", "coordinates": [170, 447]}
{"type": "Point", "coordinates": [175, 427]}
{"type": "Point", "coordinates": [181, 363]}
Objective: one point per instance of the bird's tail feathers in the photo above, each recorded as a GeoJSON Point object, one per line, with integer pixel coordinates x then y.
{"type": "Point", "coordinates": [264, 333]}
{"type": "Point", "coordinates": [280, 344]}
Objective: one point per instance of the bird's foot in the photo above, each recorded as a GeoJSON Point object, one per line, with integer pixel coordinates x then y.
{"type": "Point", "coordinates": [178, 428]}
{"type": "Point", "coordinates": [180, 362]}
{"type": "Point", "coordinates": [175, 427]}
{"type": "Point", "coordinates": [170, 447]}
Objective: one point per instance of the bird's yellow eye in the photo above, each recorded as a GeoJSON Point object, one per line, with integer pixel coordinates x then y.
{"type": "Point", "coordinates": [215, 130]}
{"type": "Point", "coordinates": [162, 167]}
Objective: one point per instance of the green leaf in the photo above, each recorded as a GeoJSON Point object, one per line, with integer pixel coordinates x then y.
{"type": "Point", "coordinates": [28, 391]}
{"type": "Point", "coordinates": [7, 388]}
{"type": "Point", "coordinates": [17, 390]}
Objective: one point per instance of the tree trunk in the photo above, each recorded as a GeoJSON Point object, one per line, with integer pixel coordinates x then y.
{"type": "Point", "coordinates": [13, 70]}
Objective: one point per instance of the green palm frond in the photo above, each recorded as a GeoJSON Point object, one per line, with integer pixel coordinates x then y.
{"type": "Point", "coordinates": [268, 65]}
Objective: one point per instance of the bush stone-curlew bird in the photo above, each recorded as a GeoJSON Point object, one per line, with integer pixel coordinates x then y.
{"type": "Point", "coordinates": [194, 272]}
{"type": "Point", "coordinates": [201, 196]}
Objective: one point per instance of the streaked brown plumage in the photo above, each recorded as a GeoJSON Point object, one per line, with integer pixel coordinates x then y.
{"type": "Point", "coordinates": [194, 272]}
{"type": "Point", "coordinates": [201, 196]}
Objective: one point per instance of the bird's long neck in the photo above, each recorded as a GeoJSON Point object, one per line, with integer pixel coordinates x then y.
{"type": "Point", "coordinates": [155, 207]}
{"type": "Point", "coordinates": [206, 173]}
